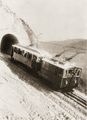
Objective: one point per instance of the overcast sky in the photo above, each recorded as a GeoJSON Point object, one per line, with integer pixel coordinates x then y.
{"type": "Point", "coordinates": [53, 19]}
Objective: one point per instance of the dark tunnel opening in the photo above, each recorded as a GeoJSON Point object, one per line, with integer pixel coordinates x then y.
{"type": "Point", "coordinates": [6, 43]}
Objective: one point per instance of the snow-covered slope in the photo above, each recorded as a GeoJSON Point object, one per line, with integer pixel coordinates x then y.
{"type": "Point", "coordinates": [24, 97]}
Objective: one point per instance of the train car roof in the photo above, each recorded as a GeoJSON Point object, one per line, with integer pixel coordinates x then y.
{"type": "Point", "coordinates": [66, 65]}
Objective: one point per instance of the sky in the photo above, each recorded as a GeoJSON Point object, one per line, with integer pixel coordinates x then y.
{"type": "Point", "coordinates": [53, 20]}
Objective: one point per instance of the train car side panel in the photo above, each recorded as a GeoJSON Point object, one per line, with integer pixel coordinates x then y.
{"type": "Point", "coordinates": [51, 73]}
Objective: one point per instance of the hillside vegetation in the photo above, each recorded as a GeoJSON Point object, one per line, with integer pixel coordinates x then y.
{"type": "Point", "coordinates": [74, 49]}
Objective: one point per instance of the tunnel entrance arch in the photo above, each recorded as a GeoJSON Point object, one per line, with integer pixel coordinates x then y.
{"type": "Point", "coordinates": [6, 43]}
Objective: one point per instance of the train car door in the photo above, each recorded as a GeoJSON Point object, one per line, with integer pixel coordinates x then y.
{"type": "Point", "coordinates": [59, 74]}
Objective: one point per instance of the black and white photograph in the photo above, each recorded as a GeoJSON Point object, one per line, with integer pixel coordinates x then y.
{"type": "Point", "coordinates": [43, 60]}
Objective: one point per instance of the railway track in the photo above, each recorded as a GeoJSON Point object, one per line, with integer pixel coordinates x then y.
{"type": "Point", "coordinates": [77, 99]}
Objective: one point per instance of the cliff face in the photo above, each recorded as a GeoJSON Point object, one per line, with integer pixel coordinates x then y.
{"type": "Point", "coordinates": [11, 24]}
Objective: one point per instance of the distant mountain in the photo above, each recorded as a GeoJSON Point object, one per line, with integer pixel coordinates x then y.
{"type": "Point", "coordinates": [58, 46]}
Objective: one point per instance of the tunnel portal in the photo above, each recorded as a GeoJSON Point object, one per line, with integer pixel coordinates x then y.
{"type": "Point", "coordinates": [6, 43]}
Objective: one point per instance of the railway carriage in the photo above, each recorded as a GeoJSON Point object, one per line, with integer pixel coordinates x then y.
{"type": "Point", "coordinates": [61, 75]}
{"type": "Point", "coordinates": [29, 57]}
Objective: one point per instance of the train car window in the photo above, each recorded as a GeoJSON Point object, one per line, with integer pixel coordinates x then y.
{"type": "Point", "coordinates": [29, 56]}
{"type": "Point", "coordinates": [25, 55]}
{"type": "Point", "coordinates": [34, 57]}
{"type": "Point", "coordinates": [18, 51]}
{"type": "Point", "coordinates": [78, 73]}
{"type": "Point", "coordinates": [70, 71]}
{"type": "Point", "coordinates": [22, 52]}
{"type": "Point", "coordinates": [38, 59]}
{"type": "Point", "coordinates": [15, 50]}
{"type": "Point", "coordinates": [34, 60]}
{"type": "Point", "coordinates": [66, 72]}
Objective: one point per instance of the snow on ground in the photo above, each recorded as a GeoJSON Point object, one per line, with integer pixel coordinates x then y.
{"type": "Point", "coordinates": [22, 101]}
{"type": "Point", "coordinates": [17, 101]}
{"type": "Point", "coordinates": [81, 94]}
